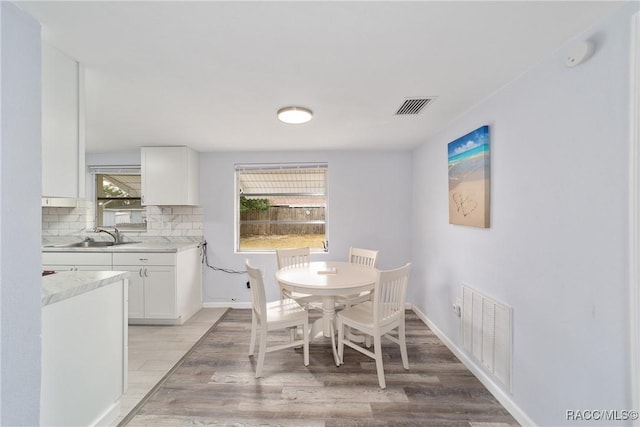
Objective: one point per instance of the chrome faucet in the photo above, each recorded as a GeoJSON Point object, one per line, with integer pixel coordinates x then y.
{"type": "Point", "coordinates": [115, 234]}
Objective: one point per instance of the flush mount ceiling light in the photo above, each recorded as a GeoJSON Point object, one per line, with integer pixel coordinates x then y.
{"type": "Point", "coordinates": [294, 115]}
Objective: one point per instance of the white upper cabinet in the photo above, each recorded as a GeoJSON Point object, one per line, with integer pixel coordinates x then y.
{"type": "Point", "coordinates": [63, 149]}
{"type": "Point", "coordinates": [169, 176]}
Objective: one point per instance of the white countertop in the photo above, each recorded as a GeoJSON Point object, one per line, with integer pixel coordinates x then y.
{"type": "Point", "coordinates": [66, 284]}
{"type": "Point", "coordinates": [129, 247]}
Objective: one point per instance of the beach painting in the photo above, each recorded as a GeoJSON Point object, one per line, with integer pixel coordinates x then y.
{"type": "Point", "coordinates": [469, 177]}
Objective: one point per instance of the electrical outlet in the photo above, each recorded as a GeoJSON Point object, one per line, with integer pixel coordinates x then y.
{"type": "Point", "coordinates": [456, 307]}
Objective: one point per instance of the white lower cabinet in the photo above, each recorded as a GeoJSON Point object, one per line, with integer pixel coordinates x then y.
{"type": "Point", "coordinates": [164, 288]}
{"type": "Point", "coordinates": [152, 291]}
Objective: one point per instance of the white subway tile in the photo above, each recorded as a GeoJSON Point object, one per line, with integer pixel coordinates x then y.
{"type": "Point", "coordinates": [153, 210]}
{"type": "Point", "coordinates": [182, 210]}
{"type": "Point", "coordinates": [154, 218]}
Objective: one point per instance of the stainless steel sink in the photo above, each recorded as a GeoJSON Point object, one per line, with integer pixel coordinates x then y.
{"type": "Point", "coordinates": [90, 244]}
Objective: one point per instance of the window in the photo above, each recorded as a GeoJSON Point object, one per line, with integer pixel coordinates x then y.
{"type": "Point", "coordinates": [118, 202]}
{"type": "Point", "coordinates": [281, 206]}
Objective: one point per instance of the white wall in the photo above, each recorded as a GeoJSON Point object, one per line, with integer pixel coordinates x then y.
{"type": "Point", "coordinates": [557, 247]}
{"type": "Point", "coordinates": [20, 189]}
{"type": "Point", "coordinates": [369, 206]}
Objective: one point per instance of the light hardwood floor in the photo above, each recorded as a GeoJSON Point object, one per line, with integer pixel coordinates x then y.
{"type": "Point", "coordinates": [215, 385]}
{"type": "Point", "coordinates": [155, 350]}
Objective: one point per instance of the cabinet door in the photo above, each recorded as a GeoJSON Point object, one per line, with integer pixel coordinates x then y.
{"type": "Point", "coordinates": [60, 124]}
{"type": "Point", "coordinates": [169, 176]}
{"type": "Point", "coordinates": [159, 292]}
{"type": "Point", "coordinates": [136, 290]}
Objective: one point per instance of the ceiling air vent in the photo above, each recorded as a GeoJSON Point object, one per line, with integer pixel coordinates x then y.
{"type": "Point", "coordinates": [413, 106]}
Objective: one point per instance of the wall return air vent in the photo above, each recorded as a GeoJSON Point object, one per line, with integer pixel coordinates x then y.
{"type": "Point", "coordinates": [413, 106]}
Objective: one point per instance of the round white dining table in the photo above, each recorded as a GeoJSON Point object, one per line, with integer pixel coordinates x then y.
{"type": "Point", "coordinates": [328, 280]}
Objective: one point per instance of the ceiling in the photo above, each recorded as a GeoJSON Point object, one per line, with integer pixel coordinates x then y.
{"type": "Point", "coordinates": [212, 74]}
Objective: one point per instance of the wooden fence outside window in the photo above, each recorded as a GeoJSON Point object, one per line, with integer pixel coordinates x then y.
{"type": "Point", "coordinates": [283, 220]}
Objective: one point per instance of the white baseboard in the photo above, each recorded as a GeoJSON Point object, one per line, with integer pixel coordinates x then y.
{"type": "Point", "coordinates": [109, 415]}
{"type": "Point", "coordinates": [502, 397]}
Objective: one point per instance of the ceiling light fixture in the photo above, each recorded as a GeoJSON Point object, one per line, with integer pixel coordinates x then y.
{"type": "Point", "coordinates": [294, 115]}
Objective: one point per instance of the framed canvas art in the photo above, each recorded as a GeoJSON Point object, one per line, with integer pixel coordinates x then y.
{"type": "Point", "coordinates": [469, 179]}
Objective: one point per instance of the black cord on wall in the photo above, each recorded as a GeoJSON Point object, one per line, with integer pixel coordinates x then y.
{"type": "Point", "coordinates": [205, 261]}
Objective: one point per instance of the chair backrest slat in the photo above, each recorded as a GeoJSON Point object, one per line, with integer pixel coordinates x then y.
{"type": "Point", "coordinates": [366, 257]}
{"type": "Point", "coordinates": [258, 296]}
{"type": "Point", "coordinates": [288, 258]}
{"type": "Point", "coordinates": [390, 294]}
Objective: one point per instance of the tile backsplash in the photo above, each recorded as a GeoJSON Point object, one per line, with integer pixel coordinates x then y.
{"type": "Point", "coordinates": [169, 223]}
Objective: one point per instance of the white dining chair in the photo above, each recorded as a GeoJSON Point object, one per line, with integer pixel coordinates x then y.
{"type": "Point", "coordinates": [361, 256]}
{"type": "Point", "coordinates": [288, 258]}
{"type": "Point", "coordinates": [365, 257]}
{"type": "Point", "coordinates": [276, 315]}
{"type": "Point", "coordinates": [378, 317]}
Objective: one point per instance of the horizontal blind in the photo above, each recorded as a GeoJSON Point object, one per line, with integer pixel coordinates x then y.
{"type": "Point", "coordinates": [115, 169]}
{"type": "Point", "coordinates": [270, 180]}
{"type": "Point", "coordinates": [278, 166]}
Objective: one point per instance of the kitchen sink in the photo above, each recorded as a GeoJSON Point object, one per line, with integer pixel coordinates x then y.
{"type": "Point", "coordinates": [90, 244]}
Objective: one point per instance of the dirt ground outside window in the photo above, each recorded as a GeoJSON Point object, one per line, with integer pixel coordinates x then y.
{"type": "Point", "coordinates": [256, 243]}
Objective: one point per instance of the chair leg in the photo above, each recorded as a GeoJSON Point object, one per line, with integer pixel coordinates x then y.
{"type": "Point", "coordinates": [261, 350]}
{"type": "Point", "coordinates": [346, 327]}
{"type": "Point", "coordinates": [305, 347]}
{"type": "Point", "coordinates": [377, 341]}
{"type": "Point", "coordinates": [367, 341]}
{"type": "Point", "coordinates": [403, 345]}
{"type": "Point", "coordinates": [336, 358]}
{"type": "Point", "coordinates": [254, 331]}
{"type": "Point", "coordinates": [340, 340]}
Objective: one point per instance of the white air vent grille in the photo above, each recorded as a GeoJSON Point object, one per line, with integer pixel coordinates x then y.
{"type": "Point", "coordinates": [486, 333]}
{"type": "Point", "coordinates": [413, 106]}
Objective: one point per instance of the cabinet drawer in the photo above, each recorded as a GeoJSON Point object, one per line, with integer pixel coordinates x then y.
{"type": "Point", "coordinates": [77, 258]}
{"type": "Point", "coordinates": [144, 258]}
